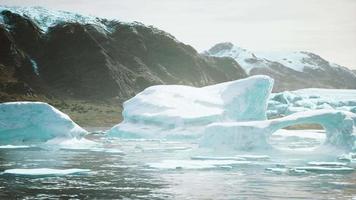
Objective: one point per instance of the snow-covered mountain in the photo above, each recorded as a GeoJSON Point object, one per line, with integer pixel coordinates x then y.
{"type": "Point", "coordinates": [291, 70]}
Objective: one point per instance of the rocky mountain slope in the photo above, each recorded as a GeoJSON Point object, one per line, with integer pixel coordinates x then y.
{"type": "Point", "coordinates": [66, 55]}
{"type": "Point", "coordinates": [291, 70]}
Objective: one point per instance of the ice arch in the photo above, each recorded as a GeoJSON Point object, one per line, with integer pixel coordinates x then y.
{"type": "Point", "coordinates": [339, 126]}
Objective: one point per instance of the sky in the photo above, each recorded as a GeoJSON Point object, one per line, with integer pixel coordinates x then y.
{"type": "Point", "coordinates": [324, 27]}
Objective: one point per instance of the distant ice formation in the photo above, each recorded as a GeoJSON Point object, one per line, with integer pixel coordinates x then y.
{"type": "Point", "coordinates": [288, 102]}
{"type": "Point", "coordinates": [29, 122]}
{"type": "Point", "coordinates": [227, 115]}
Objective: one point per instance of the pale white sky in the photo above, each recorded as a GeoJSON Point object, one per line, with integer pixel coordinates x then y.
{"type": "Point", "coordinates": [325, 27]}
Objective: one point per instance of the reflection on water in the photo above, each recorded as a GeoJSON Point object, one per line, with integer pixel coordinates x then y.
{"type": "Point", "coordinates": [153, 169]}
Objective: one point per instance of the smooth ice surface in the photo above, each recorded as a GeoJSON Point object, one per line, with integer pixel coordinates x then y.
{"type": "Point", "coordinates": [28, 122]}
{"type": "Point", "coordinates": [180, 111]}
{"type": "Point", "coordinates": [45, 172]}
{"type": "Point", "coordinates": [288, 102]}
{"type": "Point", "coordinates": [339, 126]}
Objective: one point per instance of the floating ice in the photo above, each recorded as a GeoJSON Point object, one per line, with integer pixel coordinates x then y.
{"type": "Point", "coordinates": [195, 164]}
{"type": "Point", "coordinates": [228, 115]}
{"type": "Point", "coordinates": [339, 126]}
{"type": "Point", "coordinates": [108, 150]}
{"type": "Point", "coordinates": [182, 111]}
{"type": "Point", "coordinates": [217, 158]}
{"type": "Point", "coordinates": [238, 157]}
{"type": "Point", "coordinates": [286, 103]}
{"type": "Point", "coordinates": [28, 122]}
{"type": "Point", "coordinates": [45, 172]}
{"type": "Point", "coordinates": [322, 169]}
{"type": "Point", "coordinates": [14, 146]}
{"type": "Point", "coordinates": [314, 163]}
{"type": "Point", "coordinates": [73, 144]}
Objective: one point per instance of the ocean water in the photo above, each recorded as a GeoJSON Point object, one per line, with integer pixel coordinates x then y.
{"type": "Point", "coordinates": [160, 169]}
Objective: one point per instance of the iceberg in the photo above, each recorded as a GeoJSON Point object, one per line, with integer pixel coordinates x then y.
{"type": "Point", "coordinates": [167, 111]}
{"type": "Point", "coordinates": [289, 102]}
{"type": "Point", "coordinates": [230, 115]}
{"type": "Point", "coordinates": [339, 126]}
{"type": "Point", "coordinates": [30, 122]}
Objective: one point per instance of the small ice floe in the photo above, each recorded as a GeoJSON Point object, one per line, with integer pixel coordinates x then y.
{"type": "Point", "coordinates": [163, 149]}
{"type": "Point", "coordinates": [14, 146]}
{"type": "Point", "coordinates": [45, 172]}
{"type": "Point", "coordinates": [74, 144]}
{"type": "Point", "coordinates": [324, 169]}
{"type": "Point", "coordinates": [284, 170]}
{"type": "Point", "coordinates": [108, 150]}
{"type": "Point", "coordinates": [196, 164]}
{"type": "Point", "coordinates": [217, 158]}
{"type": "Point", "coordinates": [327, 164]}
{"type": "Point", "coordinates": [350, 157]}
{"type": "Point", "coordinates": [254, 157]}
{"type": "Point", "coordinates": [277, 170]}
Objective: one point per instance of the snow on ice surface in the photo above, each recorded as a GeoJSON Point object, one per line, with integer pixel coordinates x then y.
{"type": "Point", "coordinates": [29, 122]}
{"type": "Point", "coordinates": [45, 172]}
{"type": "Point", "coordinates": [47, 18]}
{"type": "Point", "coordinates": [176, 109]}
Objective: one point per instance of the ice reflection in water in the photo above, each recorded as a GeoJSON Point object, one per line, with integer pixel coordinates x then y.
{"type": "Point", "coordinates": [153, 169]}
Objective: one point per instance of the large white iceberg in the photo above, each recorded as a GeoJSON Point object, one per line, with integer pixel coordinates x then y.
{"type": "Point", "coordinates": [227, 115]}
{"type": "Point", "coordinates": [28, 122]}
{"type": "Point", "coordinates": [176, 110]}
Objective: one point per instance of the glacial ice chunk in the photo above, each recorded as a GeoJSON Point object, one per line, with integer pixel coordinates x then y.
{"type": "Point", "coordinates": [340, 127]}
{"type": "Point", "coordinates": [29, 122]}
{"type": "Point", "coordinates": [182, 111]}
{"type": "Point", "coordinates": [229, 115]}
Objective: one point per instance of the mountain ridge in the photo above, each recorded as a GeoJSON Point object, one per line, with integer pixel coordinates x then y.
{"type": "Point", "coordinates": [291, 70]}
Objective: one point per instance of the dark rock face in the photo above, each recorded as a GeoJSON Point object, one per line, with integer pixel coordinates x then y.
{"type": "Point", "coordinates": [85, 61]}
